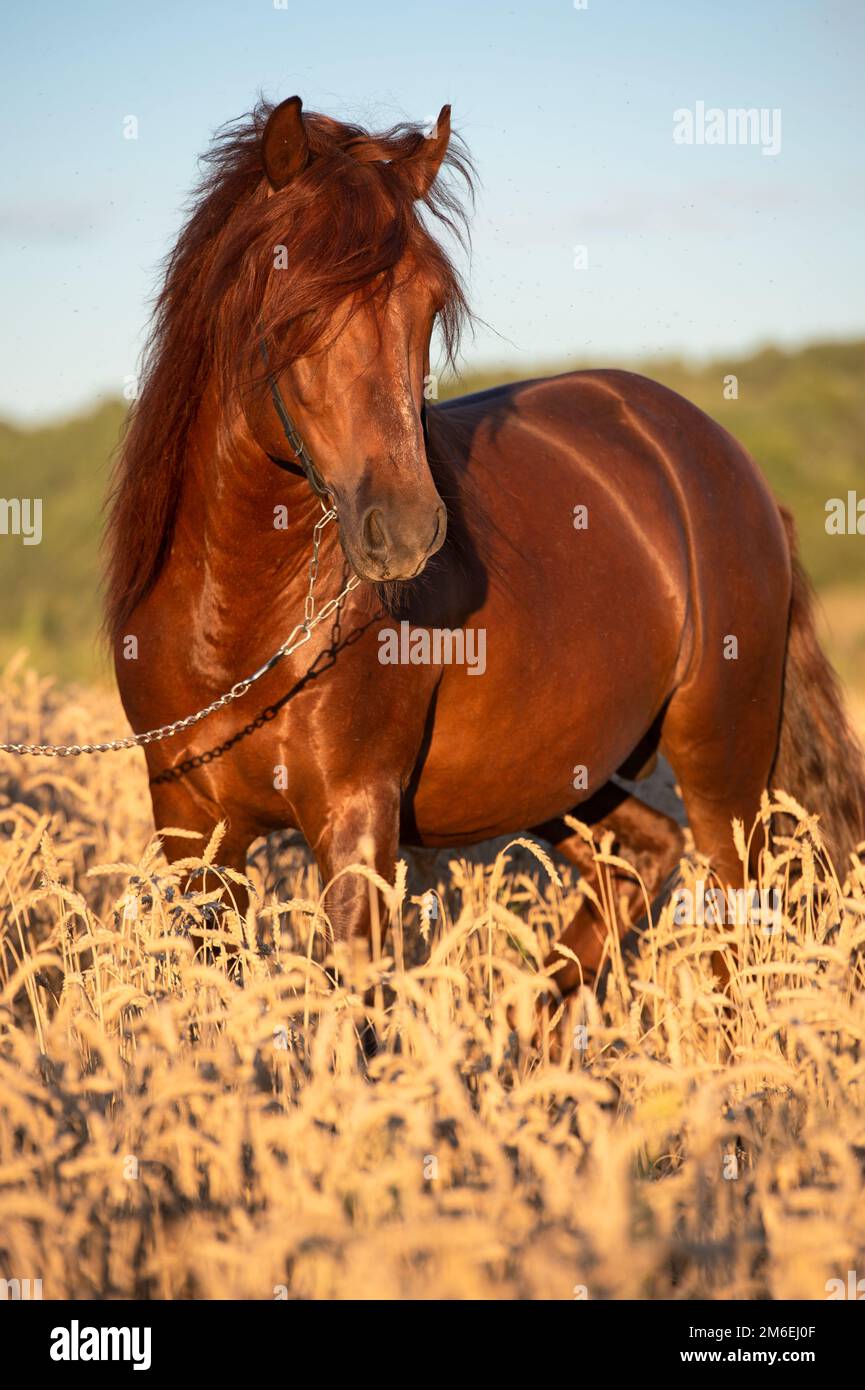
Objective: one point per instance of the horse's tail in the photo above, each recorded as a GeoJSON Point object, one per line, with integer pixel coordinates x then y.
{"type": "Point", "coordinates": [820, 761]}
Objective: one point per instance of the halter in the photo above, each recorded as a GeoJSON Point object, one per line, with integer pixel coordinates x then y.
{"type": "Point", "coordinates": [302, 462]}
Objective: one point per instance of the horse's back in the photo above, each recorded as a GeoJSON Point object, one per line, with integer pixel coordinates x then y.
{"type": "Point", "coordinates": [658, 467]}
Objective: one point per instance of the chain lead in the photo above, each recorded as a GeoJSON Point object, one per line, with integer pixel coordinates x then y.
{"type": "Point", "coordinates": [296, 638]}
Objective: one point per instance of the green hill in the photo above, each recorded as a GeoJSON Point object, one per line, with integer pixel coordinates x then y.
{"type": "Point", "coordinates": [49, 593]}
{"type": "Point", "coordinates": [801, 414]}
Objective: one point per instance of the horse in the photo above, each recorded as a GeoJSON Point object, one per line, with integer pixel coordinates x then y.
{"type": "Point", "coordinates": [612, 552]}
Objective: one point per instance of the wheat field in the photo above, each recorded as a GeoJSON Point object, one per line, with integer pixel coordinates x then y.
{"type": "Point", "coordinates": [186, 1123]}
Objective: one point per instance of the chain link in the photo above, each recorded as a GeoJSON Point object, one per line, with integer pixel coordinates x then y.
{"type": "Point", "coordinates": [296, 638]}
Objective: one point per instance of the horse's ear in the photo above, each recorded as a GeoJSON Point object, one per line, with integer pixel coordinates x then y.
{"type": "Point", "coordinates": [423, 166]}
{"type": "Point", "coordinates": [284, 146]}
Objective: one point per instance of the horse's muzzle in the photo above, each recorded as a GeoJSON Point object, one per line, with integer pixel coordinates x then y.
{"type": "Point", "coordinates": [393, 545]}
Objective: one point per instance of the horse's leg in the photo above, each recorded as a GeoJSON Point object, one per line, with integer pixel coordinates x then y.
{"type": "Point", "coordinates": [720, 734]}
{"type": "Point", "coordinates": [175, 807]}
{"type": "Point", "coordinates": [649, 840]}
{"type": "Point", "coordinates": [357, 824]}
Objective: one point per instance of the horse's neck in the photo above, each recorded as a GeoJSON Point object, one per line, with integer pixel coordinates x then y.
{"type": "Point", "coordinates": [245, 513]}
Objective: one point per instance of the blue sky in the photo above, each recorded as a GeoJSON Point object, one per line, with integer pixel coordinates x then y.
{"type": "Point", "coordinates": [568, 113]}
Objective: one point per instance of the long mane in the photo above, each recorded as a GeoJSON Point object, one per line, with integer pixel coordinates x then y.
{"type": "Point", "coordinates": [346, 222]}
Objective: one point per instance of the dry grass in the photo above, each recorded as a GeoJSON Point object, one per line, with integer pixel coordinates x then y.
{"type": "Point", "coordinates": [175, 1127]}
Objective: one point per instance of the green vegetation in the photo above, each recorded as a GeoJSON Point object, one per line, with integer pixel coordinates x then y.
{"type": "Point", "coordinates": [50, 599]}
{"type": "Point", "coordinates": [801, 414]}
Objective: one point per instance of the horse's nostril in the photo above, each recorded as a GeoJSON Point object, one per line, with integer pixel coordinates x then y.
{"type": "Point", "coordinates": [400, 544]}
{"type": "Point", "coordinates": [374, 534]}
{"type": "Point", "coordinates": [441, 521]}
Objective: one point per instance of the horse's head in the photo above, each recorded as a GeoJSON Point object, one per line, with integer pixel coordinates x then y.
{"type": "Point", "coordinates": [349, 307]}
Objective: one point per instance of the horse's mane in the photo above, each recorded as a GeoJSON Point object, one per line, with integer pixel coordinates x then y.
{"type": "Point", "coordinates": [346, 222]}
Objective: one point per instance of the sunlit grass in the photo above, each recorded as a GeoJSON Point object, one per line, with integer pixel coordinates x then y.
{"type": "Point", "coordinates": [175, 1123]}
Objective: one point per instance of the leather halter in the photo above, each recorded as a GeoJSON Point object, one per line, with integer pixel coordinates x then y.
{"type": "Point", "coordinates": [302, 462]}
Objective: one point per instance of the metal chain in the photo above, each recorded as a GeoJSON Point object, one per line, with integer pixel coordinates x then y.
{"type": "Point", "coordinates": [296, 638]}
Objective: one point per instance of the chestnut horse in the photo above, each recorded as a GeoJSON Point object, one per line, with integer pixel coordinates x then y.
{"type": "Point", "coordinates": [609, 557]}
